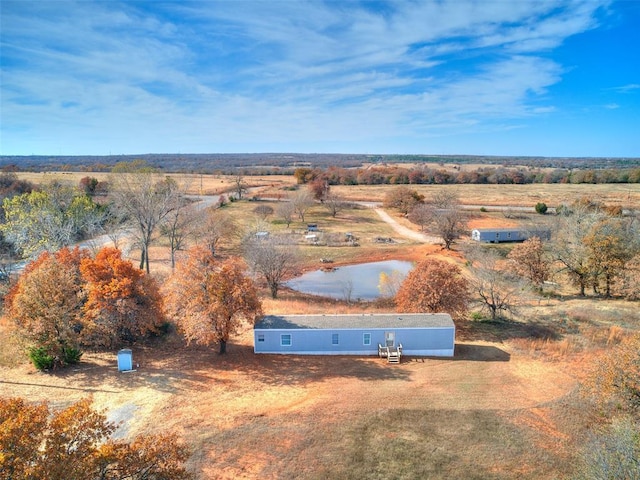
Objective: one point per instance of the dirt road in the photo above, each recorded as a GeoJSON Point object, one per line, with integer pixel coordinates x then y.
{"type": "Point", "coordinates": [404, 231]}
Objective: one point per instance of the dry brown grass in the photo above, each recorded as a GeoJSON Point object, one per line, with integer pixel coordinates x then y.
{"type": "Point", "coordinates": [196, 184]}
{"type": "Point", "coordinates": [626, 195]}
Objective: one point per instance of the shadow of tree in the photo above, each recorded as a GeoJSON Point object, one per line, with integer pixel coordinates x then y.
{"type": "Point", "coordinates": [500, 331]}
{"type": "Point", "coordinates": [175, 367]}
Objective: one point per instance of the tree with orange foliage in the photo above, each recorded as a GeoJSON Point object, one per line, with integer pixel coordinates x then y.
{"type": "Point", "coordinates": [74, 443]}
{"type": "Point", "coordinates": [616, 377]}
{"type": "Point", "coordinates": [434, 286]}
{"type": "Point", "coordinates": [123, 303]}
{"type": "Point", "coordinates": [46, 305]}
{"type": "Point", "coordinates": [209, 299]}
{"type": "Point", "coordinates": [530, 260]}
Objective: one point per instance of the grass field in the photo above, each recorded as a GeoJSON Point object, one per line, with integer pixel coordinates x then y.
{"type": "Point", "coordinates": [626, 195]}
{"type": "Point", "coordinates": [506, 406]}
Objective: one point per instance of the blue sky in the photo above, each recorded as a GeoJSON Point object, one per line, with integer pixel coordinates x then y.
{"type": "Point", "coordinates": [491, 77]}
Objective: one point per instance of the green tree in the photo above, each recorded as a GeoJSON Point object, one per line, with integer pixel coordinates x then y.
{"type": "Point", "coordinates": [48, 220]}
{"type": "Point", "coordinates": [541, 208]}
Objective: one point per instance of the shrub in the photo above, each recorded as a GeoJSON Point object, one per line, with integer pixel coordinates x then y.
{"type": "Point", "coordinates": [541, 208]}
{"type": "Point", "coordinates": [71, 355]}
{"type": "Point", "coordinates": [40, 358]}
{"type": "Point", "coordinates": [483, 209]}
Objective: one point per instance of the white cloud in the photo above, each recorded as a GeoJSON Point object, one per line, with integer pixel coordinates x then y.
{"type": "Point", "coordinates": [157, 75]}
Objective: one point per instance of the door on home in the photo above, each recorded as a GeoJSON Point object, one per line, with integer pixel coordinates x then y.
{"type": "Point", "coordinates": [390, 339]}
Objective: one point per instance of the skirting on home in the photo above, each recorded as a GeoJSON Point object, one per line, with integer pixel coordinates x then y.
{"type": "Point", "coordinates": [419, 334]}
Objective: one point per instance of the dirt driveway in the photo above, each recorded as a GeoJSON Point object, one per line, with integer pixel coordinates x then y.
{"type": "Point", "coordinates": [404, 231]}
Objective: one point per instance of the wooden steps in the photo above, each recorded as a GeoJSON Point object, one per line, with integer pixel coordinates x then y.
{"type": "Point", "coordinates": [393, 354]}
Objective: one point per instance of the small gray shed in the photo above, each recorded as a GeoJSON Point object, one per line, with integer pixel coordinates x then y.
{"type": "Point", "coordinates": [420, 334]}
{"type": "Point", "coordinates": [125, 360]}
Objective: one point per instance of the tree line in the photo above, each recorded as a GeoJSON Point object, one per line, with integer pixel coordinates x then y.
{"type": "Point", "coordinates": [425, 175]}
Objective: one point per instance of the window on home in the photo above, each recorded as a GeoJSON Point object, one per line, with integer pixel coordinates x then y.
{"type": "Point", "coordinates": [334, 339]}
{"type": "Point", "coordinates": [366, 339]}
{"type": "Point", "coordinates": [261, 337]}
{"type": "Point", "coordinates": [285, 339]}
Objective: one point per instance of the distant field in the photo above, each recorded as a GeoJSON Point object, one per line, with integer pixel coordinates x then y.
{"type": "Point", "coordinates": [625, 195]}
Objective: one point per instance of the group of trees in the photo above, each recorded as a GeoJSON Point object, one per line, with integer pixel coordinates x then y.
{"type": "Point", "coordinates": [597, 250]}
{"type": "Point", "coordinates": [76, 443]}
{"type": "Point", "coordinates": [67, 300]}
{"type": "Point", "coordinates": [417, 175]}
{"type": "Point", "coordinates": [50, 219]}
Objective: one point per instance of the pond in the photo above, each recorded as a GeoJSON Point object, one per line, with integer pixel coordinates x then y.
{"type": "Point", "coordinates": [351, 282]}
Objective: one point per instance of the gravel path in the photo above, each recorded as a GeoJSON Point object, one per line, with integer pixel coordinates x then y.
{"type": "Point", "coordinates": [404, 231]}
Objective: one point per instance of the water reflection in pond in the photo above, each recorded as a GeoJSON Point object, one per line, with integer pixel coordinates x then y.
{"type": "Point", "coordinates": [351, 282]}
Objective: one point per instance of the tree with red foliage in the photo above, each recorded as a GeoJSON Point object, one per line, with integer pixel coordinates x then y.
{"type": "Point", "coordinates": [123, 303]}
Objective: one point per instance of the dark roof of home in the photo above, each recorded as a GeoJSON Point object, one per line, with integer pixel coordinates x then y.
{"type": "Point", "coordinates": [351, 321]}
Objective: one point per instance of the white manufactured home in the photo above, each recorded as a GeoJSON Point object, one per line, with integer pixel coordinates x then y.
{"type": "Point", "coordinates": [500, 235]}
{"type": "Point", "coordinates": [415, 334]}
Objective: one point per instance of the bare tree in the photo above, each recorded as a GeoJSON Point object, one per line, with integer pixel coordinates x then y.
{"type": "Point", "coordinates": [334, 203]}
{"type": "Point", "coordinates": [286, 210]}
{"type": "Point", "coordinates": [421, 214]}
{"type": "Point", "coordinates": [270, 258]}
{"type": "Point", "coordinates": [449, 221]}
{"type": "Point", "coordinates": [302, 201]}
{"type": "Point", "coordinates": [213, 226]}
{"type": "Point", "coordinates": [263, 211]}
{"type": "Point", "coordinates": [178, 226]}
{"type": "Point", "coordinates": [145, 198]}
{"type": "Point", "coordinates": [498, 290]}
{"type": "Point", "coordinates": [240, 187]}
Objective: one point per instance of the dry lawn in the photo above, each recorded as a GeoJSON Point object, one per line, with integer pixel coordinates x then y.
{"type": "Point", "coordinates": [263, 416]}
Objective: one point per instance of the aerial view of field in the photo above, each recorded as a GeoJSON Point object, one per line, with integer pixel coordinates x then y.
{"type": "Point", "coordinates": [509, 404]}
{"type": "Point", "coordinates": [351, 240]}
